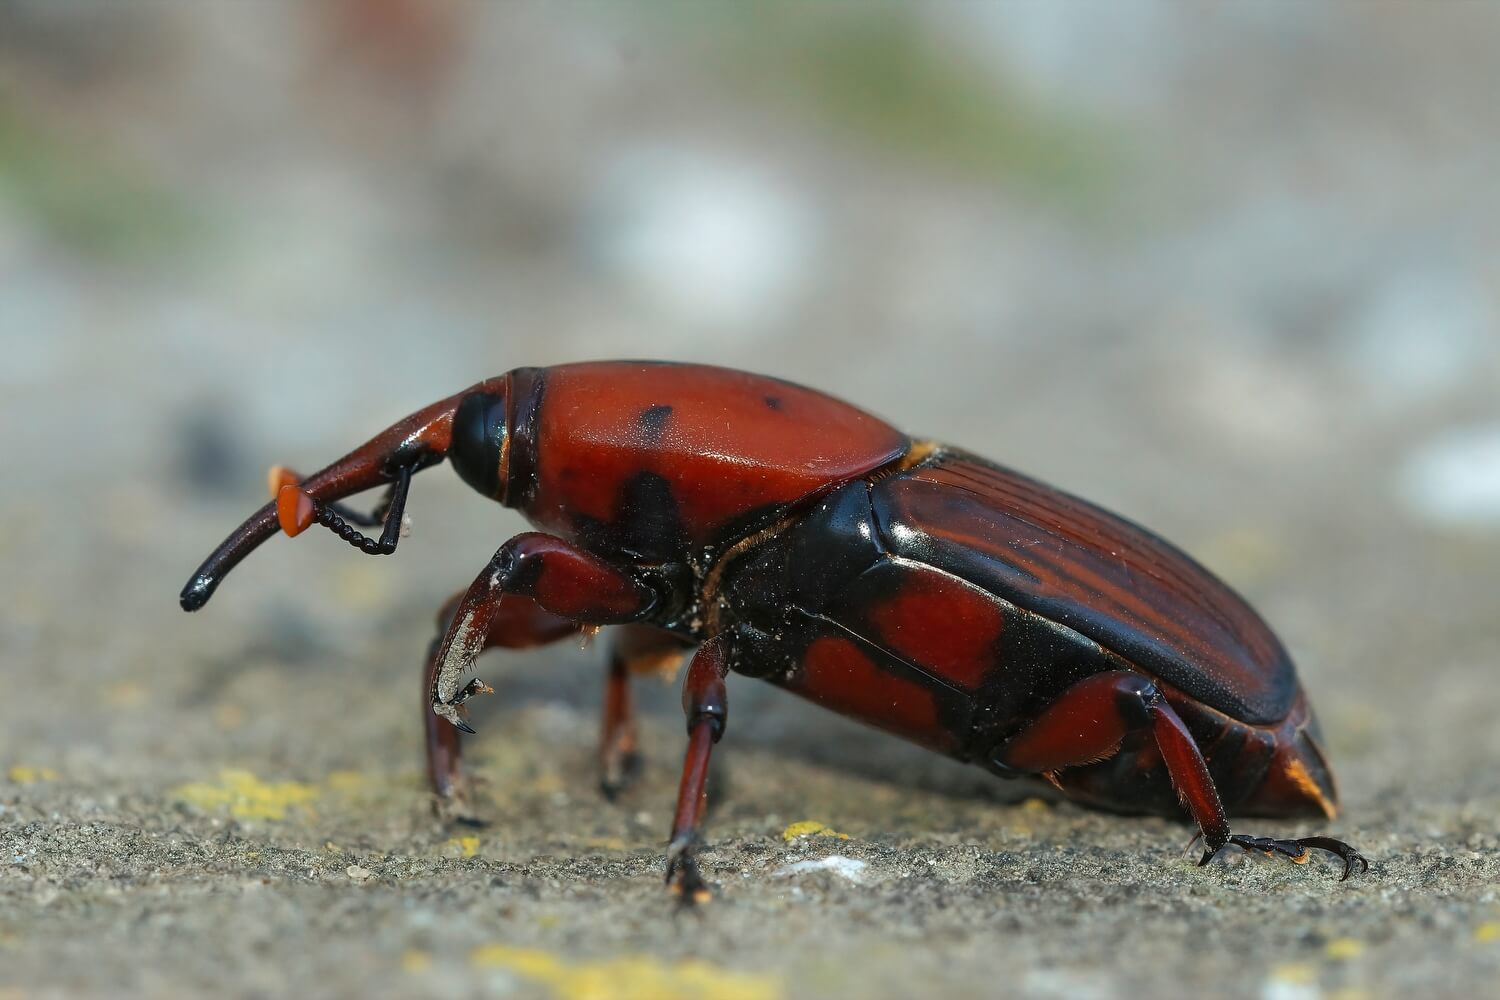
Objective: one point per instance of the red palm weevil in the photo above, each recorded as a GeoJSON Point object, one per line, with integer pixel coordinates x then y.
{"type": "Point", "coordinates": [790, 536]}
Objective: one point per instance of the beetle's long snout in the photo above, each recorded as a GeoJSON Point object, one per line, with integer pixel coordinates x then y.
{"type": "Point", "coordinates": [415, 443]}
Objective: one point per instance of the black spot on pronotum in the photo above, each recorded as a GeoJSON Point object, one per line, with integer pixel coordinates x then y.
{"type": "Point", "coordinates": [654, 420]}
{"type": "Point", "coordinates": [773, 402]}
{"type": "Point", "coordinates": [647, 518]}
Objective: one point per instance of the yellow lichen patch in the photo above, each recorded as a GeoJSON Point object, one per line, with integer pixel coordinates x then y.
{"type": "Point", "coordinates": [605, 843]}
{"type": "Point", "coordinates": [1341, 949]}
{"type": "Point", "coordinates": [811, 828]}
{"type": "Point", "coordinates": [629, 977]}
{"type": "Point", "coordinates": [25, 774]}
{"type": "Point", "coordinates": [1034, 804]}
{"type": "Point", "coordinates": [1300, 973]}
{"type": "Point", "coordinates": [467, 846]}
{"type": "Point", "coordinates": [246, 796]}
{"type": "Point", "coordinates": [415, 962]}
{"type": "Point", "coordinates": [1487, 932]}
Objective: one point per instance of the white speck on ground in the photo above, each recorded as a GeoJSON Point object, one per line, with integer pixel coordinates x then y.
{"type": "Point", "coordinates": [847, 868]}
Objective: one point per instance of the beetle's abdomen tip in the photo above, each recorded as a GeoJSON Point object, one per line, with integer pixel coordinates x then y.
{"type": "Point", "coordinates": [197, 592]}
{"type": "Point", "coordinates": [1298, 782]}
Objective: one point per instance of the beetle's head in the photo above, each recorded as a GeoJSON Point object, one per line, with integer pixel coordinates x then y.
{"type": "Point", "coordinates": [470, 428]}
{"type": "Point", "coordinates": [480, 447]}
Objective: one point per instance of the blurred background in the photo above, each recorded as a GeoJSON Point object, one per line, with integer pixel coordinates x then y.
{"type": "Point", "coordinates": [1232, 270]}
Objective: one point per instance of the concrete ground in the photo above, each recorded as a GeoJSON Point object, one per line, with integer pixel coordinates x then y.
{"type": "Point", "coordinates": [1281, 353]}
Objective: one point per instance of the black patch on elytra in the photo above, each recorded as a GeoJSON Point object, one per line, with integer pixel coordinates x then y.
{"type": "Point", "coordinates": [653, 421]}
{"type": "Point", "coordinates": [773, 402]}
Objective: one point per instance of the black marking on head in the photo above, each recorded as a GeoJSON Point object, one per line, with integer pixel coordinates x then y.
{"type": "Point", "coordinates": [654, 421]}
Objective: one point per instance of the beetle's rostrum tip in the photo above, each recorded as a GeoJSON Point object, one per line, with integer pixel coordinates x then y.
{"type": "Point", "coordinates": [197, 592]}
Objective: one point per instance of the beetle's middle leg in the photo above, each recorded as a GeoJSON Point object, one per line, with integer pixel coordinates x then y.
{"type": "Point", "coordinates": [706, 704]}
{"type": "Point", "coordinates": [1090, 720]}
{"type": "Point", "coordinates": [633, 649]}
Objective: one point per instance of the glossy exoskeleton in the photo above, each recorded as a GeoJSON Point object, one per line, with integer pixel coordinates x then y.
{"type": "Point", "coordinates": [792, 537]}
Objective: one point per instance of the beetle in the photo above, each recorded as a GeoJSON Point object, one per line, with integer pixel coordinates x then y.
{"type": "Point", "coordinates": [793, 537]}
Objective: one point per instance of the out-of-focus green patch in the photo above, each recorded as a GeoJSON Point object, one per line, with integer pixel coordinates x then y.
{"type": "Point", "coordinates": [25, 774]}
{"type": "Point", "coordinates": [874, 73]}
{"type": "Point", "coordinates": [82, 197]}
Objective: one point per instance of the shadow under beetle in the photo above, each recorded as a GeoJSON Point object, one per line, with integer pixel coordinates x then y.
{"type": "Point", "coordinates": [792, 537]}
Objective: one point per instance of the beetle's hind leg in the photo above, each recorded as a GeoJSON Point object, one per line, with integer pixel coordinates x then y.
{"type": "Point", "coordinates": [1089, 721]}
{"type": "Point", "coordinates": [1295, 851]}
{"type": "Point", "coordinates": [633, 649]}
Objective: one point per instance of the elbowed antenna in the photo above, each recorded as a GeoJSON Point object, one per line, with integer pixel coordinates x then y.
{"type": "Point", "coordinates": [415, 443]}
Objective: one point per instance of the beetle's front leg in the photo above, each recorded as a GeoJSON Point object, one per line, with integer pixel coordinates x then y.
{"type": "Point", "coordinates": [560, 578]}
{"type": "Point", "coordinates": [705, 701]}
{"type": "Point", "coordinates": [1090, 720]}
{"type": "Point", "coordinates": [519, 623]}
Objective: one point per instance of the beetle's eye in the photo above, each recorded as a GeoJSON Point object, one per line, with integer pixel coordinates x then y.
{"type": "Point", "coordinates": [478, 442]}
